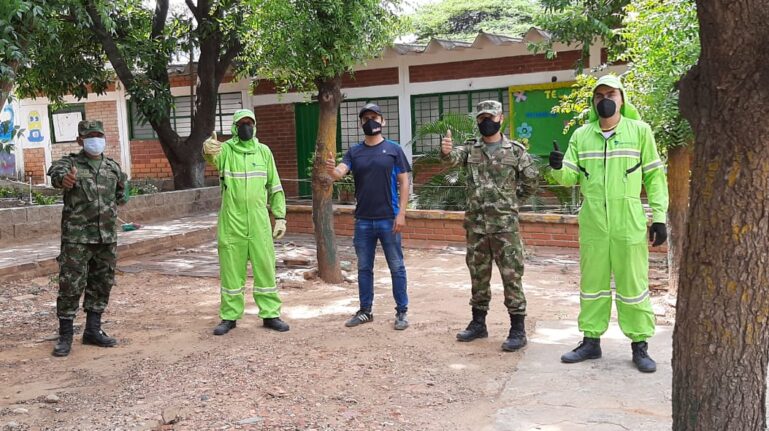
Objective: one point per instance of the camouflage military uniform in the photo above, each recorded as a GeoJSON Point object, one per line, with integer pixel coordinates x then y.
{"type": "Point", "coordinates": [88, 231]}
{"type": "Point", "coordinates": [495, 184]}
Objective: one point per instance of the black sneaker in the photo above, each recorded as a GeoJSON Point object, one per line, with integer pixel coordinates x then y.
{"type": "Point", "coordinates": [224, 327]}
{"type": "Point", "coordinates": [360, 317]}
{"type": "Point", "coordinates": [641, 359]}
{"type": "Point", "coordinates": [401, 321]}
{"type": "Point", "coordinates": [276, 324]}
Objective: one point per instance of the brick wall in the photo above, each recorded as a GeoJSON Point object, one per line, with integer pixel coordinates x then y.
{"type": "Point", "coordinates": [149, 162]}
{"type": "Point", "coordinates": [423, 171]}
{"type": "Point", "coordinates": [362, 78]}
{"type": "Point", "coordinates": [106, 112]}
{"type": "Point", "coordinates": [275, 127]}
{"type": "Point", "coordinates": [60, 150]}
{"type": "Point", "coordinates": [439, 228]}
{"type": "Point", "coordinates": [34, 165]}
{"type": "Point", "coordinates": [493, 67]}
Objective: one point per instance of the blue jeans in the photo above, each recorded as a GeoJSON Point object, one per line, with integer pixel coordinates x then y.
{"type": "Point", "coordinates": [367, 232]}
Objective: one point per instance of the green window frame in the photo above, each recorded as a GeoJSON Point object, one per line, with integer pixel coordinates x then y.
{"type": "Point", "coordinates": [426, 108]}
{"type": "Point", "coordinates": [181, 116]}
{"type": "Point", "coordinates": [66, 109]}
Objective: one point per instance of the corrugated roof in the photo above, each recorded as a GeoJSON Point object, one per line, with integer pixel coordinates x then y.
{"type": "Point", "coordinates": [437, 45]}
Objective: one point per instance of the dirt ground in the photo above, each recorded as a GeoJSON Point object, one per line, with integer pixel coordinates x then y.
{"type": "Point", "coordinates": [170, 372]}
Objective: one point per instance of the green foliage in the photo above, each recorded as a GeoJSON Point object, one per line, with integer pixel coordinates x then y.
{"type": "Point", "coordinates": [463, 19]}
{"type": "Point", "coordinates": [662, 38]}
{"type": "Point", "coordinates": [141, 187]}
{"type": "Point", "coordinates": [297, 43]}
{"type": "Point", "coordinates": [579, 22]}
{"type": "Point", "coordinates": [41, 199]}
{"type": "Point", "coordinates": [576, 103]}
{"type": "Point", "coordinates": [8, 192]}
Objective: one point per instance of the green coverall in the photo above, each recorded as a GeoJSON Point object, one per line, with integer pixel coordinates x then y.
{"type": "Point", "coordinates": [612, 222]}
{"type": "Point", "coordinates": [249, 179]}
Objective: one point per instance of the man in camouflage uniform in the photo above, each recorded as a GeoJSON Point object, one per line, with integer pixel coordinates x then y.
{"type": "Point", "coordinates": [499, 173]}
{"type": "Point", "coordinates": [93, 187]}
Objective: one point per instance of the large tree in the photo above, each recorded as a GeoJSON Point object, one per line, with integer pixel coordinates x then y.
{"type": "Point", "coordinates": [42, 52]}
{"type": "Point", "coordinates": [308, 46]}
{"type": "Point", "coordinates": [463, 19]}
{"type": "Point", "coordinates": [720, 340]}
{"type": "Point", "coordinates": [140, 43]}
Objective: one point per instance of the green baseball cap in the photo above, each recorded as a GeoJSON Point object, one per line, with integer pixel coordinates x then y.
{"type": "Point", "coordinates": [488, 107]}
{"type": "Point", "coordinates": [87, 126]}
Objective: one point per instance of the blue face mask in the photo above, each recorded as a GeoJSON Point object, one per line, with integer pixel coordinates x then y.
{"type": "Point", "coordinates": [94, 146]}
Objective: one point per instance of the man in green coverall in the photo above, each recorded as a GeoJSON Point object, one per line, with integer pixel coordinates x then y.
{"type": "Point", "coordinates": [611, 157]}
{"type": "Point", "coordinates": [249, 181]}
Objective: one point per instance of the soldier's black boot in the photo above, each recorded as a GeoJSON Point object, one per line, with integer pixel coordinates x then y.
{"type": "Point", "coordinates": [517, 337]}
{"type": "Point", "coordinates": [641, 358]}
{"type": "Point", "coordinates": [64, 345]}
{"type": "Point", "coordinates": [588, 348]}
{"type": "Point", "coordinates": [93, 334]}
{"type": "Point", "coordinates": [276, 324]}
{"type": "Point", "coordinates": [476, 328]}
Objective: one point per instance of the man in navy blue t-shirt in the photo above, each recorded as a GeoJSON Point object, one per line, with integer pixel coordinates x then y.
{"type": "Point", "coordinates": [381, 173]}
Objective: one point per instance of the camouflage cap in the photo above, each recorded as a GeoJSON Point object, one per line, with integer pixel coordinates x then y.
{"type": "Point", "coordinates": [87, 126]}
{"type": "Point", "coordinates": [488, 107]}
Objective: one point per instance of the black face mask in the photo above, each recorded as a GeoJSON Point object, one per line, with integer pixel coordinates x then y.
{"type": "Point", "coordinates": [245, 132]}
{"type": "Point", "coordinates": [606, 108]}
{"type": "Point", "coordinates": [372, 127]}
{"type": "Point", "coordinates": [488, 127]}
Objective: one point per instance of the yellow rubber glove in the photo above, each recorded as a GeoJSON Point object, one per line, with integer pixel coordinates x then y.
{"type": "Point", "coordinates": [280, 229]}
{"type": "Point", "coordinates": [212, 146]}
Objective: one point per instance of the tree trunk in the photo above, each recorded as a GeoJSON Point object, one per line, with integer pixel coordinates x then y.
{"type": "Point", "coordinates": [679, 164]}
{"type": "Point", "coordinates": [5, 92]}
{"type": "Point", "coordinates": [329, 98]}
{"type": "Point", "coordinates": [720, 340]}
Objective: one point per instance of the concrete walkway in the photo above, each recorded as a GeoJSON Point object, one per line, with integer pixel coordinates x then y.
{"type": "Point", "coordinates": [606, 394]}
{"type": "Point", "coordinates": [39, 257]}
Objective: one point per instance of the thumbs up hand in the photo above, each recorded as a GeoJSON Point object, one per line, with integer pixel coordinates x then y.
{"type": "Point", "coordinates": [212, 146]}
{"type": "Point", "coordinates": [331, 165]}
{"type": "Point", "coordinates": [446, 143]}
{"type": "Point", "coordinates": [556, 157]}
{"type": "Point", "coordinates": [70, 178]}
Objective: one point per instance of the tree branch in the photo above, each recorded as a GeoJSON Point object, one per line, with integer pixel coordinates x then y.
{"type": "Point", "coordinates": [159, 19]}
{"type": "Point", "coordinates": [110, 48]}
{"type": "Point", "coordinates": [226, 59]}
{"type": "Point", "coordinates": [193, 9]}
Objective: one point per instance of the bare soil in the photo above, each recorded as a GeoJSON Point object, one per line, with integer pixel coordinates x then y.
{"type": "Point", "coordinates": [170, 372]}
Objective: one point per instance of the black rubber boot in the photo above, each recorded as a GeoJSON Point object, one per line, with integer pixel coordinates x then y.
{"type": "Point", "coordinates": [588, 348]}
{"type": "Point", "coordinates": [276, 324]}
{"type": "Point", "coordinates": [517, 337]}
{"type": "Point", "coordinates": [476, 328]}
{"type": "Point", "coordinates": [93, 334]}
{"type": "Point", "coordinates": [224, 327]}
{"type": "Point", "coordinates": [641, 359]}
{"type": "Point", "coordinates": [64, 345]}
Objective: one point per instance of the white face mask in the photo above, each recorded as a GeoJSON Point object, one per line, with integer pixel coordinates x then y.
{"type": "Point", "coordinates": [94, 146]}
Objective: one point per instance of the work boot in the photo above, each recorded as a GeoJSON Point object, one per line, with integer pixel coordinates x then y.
{"type": "Point", "coordinates": [588, 348]}
{"type": "Point", "coordinates": [361, 316]}
{"type": "Point", "coordinates": [64, 345]}
{"type": "Point", "coordinates": [276, 324]}
{"type": "Point", "coordinates": [517, 337]}
{"type": "Point", "coordinates": [641, 358]}
{"type": "Point", "coordinates": [224, 327]}
{"type": "Point", "coordinates": [476, 328]}
{"type": "Point", "coordinates": [93, 333]}
{"type": "Point", "coordinates": [401, 321]}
